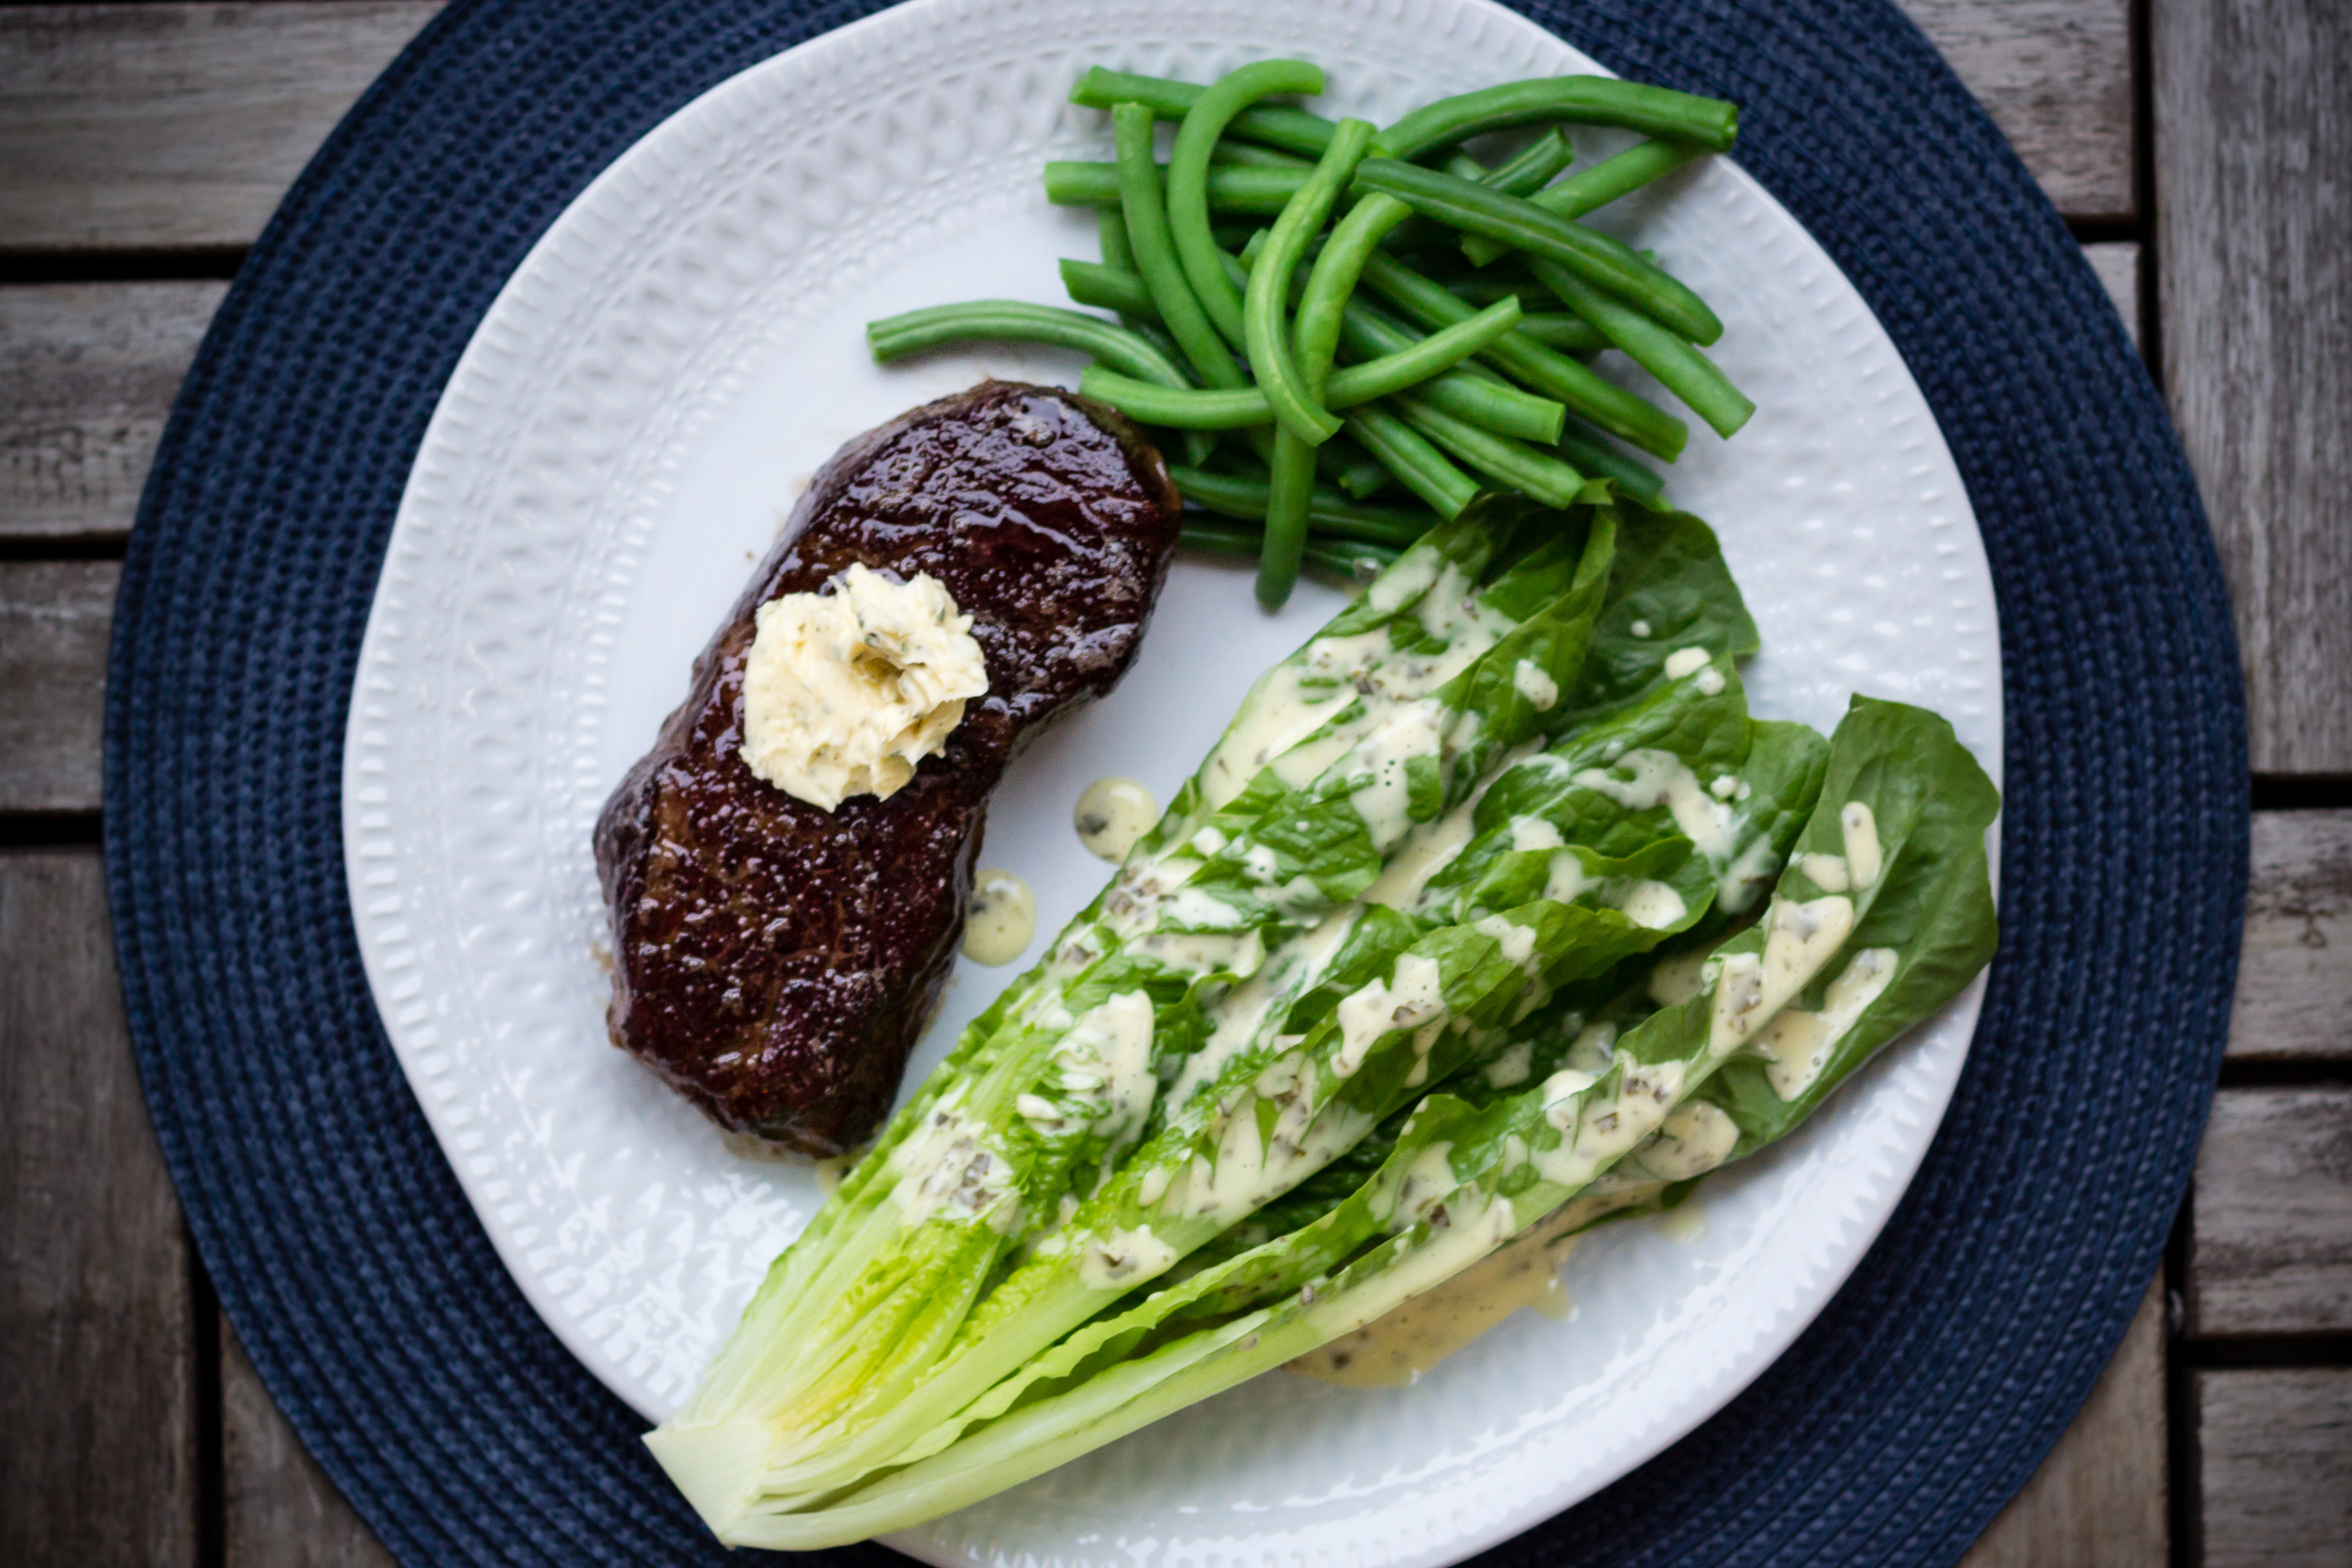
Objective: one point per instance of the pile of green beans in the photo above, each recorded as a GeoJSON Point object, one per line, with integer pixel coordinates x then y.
{"type": "Point", "coordinates": [1323, 312]}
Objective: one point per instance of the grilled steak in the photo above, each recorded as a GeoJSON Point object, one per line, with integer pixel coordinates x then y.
{"type": "Point", "coordinates": [772, 961]}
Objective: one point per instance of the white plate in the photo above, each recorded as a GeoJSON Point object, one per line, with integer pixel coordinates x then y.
{"type": "Point", "coordinates": [621, 440]}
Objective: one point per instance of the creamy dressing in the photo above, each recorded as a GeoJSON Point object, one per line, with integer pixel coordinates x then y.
{"type": "Point", "coordinates": [1756, 870]}
{"type": "Point", "coordinates": [1827, 873]}
{"type": "Point", "coordinates": [1205, 952]}
{"type": "Point", "coordinates": [1224, 1188]}
{"type": "Point", "coordinates": [945, 1168]}
{"type": "Point", "coordinates": [1686, 660]}
{"type": "Point", "coordinates": [1518, 942]}
{"type": "Point", "coordinates": [1798, 939]}
{"type": "Point", "coordinates": [1694, 1139]}
{"type": "Point", "coordinates": [1515, 1066]}
{"type": "Point", "coordinates": [1529, 833]}
{"type": "Point", "coordinates": [1677, 979]}
{"type": "Point", "coordinates": [1532, 681]}
{"type": "Point", "coordinates": [1443, 1254]}
{"type": "Point", "coordinates": [1861, 849]}
{"type": "Point", "coordinates": [1105, 1062]}
{"type": "Point", "coordinates": [1565, 879]}
{"type": "Point", "coordinates": [1243, 1013]}
{"type": "Point", "coordinates": [1652, 904]}
{"type": "Point", "coordinates": [1657, 778]}
{"type": "Point", "coordinates": [1798, 1045]}
{"type": "Point", "coordinates": [1423, 857]}
{"type": "Point", "coordinates": [1412, 995]}
{"type": "Point", "coordinates": [1124, 1259]}
{"type": "Point", "coordinates": [1396, 1350]}
{"type": "Point", "coordinates": [1112, 815]}
{"type": "Point", "coordinates": [1412, 574]}
{"type": "Point", "coordinates": [1383, 799]}
{"type": "Point", "coordinates": [1594, 1137]}
{"type": "Point", "coordinates": [1297, 698]}
{"type": "Point", "coordinates": [1000, 918]}
{"type": "Point", "coordinates": [1197, 908]}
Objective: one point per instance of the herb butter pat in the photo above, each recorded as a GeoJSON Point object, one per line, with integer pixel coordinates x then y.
{"type": "Point", "coordinates": [844, 691]}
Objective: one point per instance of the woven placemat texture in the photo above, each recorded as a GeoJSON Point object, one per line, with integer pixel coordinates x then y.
{"type": "Point", "coordinates": [349, 1261]}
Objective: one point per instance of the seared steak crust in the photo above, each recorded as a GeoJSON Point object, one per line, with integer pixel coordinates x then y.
{"type": "Point", "coordinates": [775, 962]}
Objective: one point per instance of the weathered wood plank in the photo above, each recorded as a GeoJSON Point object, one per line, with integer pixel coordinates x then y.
{"type": "Point", "coordinates": [2275, 1456]}
{"type": "Point", "coordinates": [54, 618]}
{"type": "Point", "coordinates": [2056, 76]}
{"type": "Point", "coordinates": [2253, 132]}
{"type": "Point", "coordinates": [96, 1387]}
{"type": "Point", "coordinates": [2271, 1224]}
{"type": "Point", "coordinates": [174, 125]}
{"type": "Point", "coordinates": [2117, 264]}
{"type": "Point", "coordinates": [87, 375]}
{"type": "Point", "coordinates": [2295, 972]}
{"type": "Point", "coordinates": [2098, 1500]}
{"type": "Point", "coordinates": [279, 1509]}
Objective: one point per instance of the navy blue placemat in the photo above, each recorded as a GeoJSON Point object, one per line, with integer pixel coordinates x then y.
{"type": "Point", "coordinates": [348, 1259]}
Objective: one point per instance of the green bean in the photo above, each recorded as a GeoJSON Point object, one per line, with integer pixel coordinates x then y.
{"type": "Point", "coordinates": [1559, 329]}
{"type": "Point", "coordinates": [1521, 174]}
{"type": "Point", "coordinates": [1580, 99]}
{"type": "Point", "coordinates": [1249, 155]}
{"type": "Point", "coordinates": [1329, 512]}
{"type": "Point", "coordinates": [1407, 454]}
{"type": "Point", "coordinates": [1516, 463]}
{"type": "Point", "coordinates": [1680, 369]}
{"type": "Point", "coordinates": [1532, 167]}
{"type": "Point", "coordinates": [1111, 232]}
{"type": "Point", "coordinates": [1351, 467]}
{"type": "Point", "coordinates": [1155, 255]}
{"type": "Point", "coordinates": [1351, 560]}
{"type": "Point", "coordinates": [1531, 294]}
{"type": "Point", "coordinates": [1466, 390]}
{"type": "Point", "coordinates": [1293, 130]}
{"type": "Point", "coordinates": [1467, 393]}
{"type": "Point", "coordinates": [1324, 300]}
{"type": "Point", "coordinates": [1189, 173]}
{"type": "Point", "coordinates": [1594, 188]}
{"type": "Point", "coordinates": [1109, 288]}
{"type": "Point", "coordinates": [1606, 262]}
{"type": "Point", "coordinates": [1289, 483]}
{"type": "Point", "coordinates": [1544, 321]}
{"type": "Point", "coordinates": [1293, 387]}
{"type": "Point", "coordinates": [1413, 362]}
{"type": "Point", "coordinates": [1609, 406]}
{"type": "Point", "coordinates": [1012, 320]}
{"type": "Point", "coordinates": [1590, 450]}
{"type": "Point", "coordinates": [1186, 409]}
{"type": "Point", "coordinates": [1150, 330]}
{"type": "Point", "coordinates": [1231, 190]}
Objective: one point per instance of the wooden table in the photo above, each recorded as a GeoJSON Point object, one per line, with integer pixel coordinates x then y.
{"type": "Point", "coordinates": [2201, 150]}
